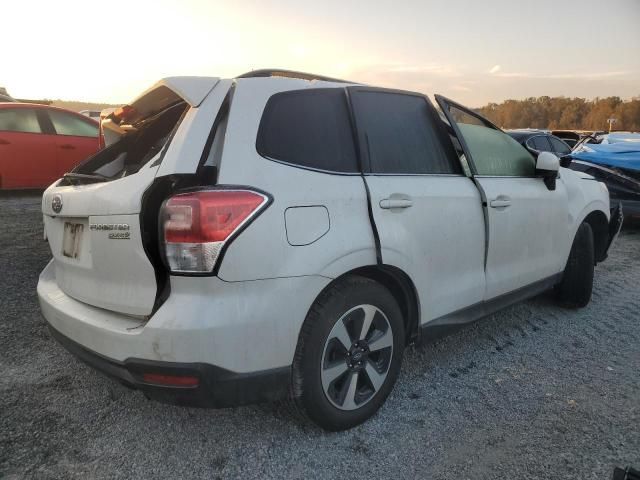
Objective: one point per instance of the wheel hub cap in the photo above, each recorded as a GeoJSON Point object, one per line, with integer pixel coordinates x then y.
{"type": "Point", "coordinates": [356, 358]}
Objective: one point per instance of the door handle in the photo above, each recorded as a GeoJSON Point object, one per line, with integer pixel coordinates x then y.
{"type": "Point", "coordinates": [4, 142]}
{"type": "Point", "coordinates": [500, 202]}
{"type": "Point", "coordinates": [391, 202]}
{"type": "Point", "coordinates": [67, 146]}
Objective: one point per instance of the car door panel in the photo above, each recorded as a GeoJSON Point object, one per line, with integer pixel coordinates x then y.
{"type": "Point", "coordinates": [524, 234]}
{"type": "Point", "coordinates": [427, 213]}
{"type": "Point", "coordinates": [72, 150]}
{"type": "Point", "coordinates": [438, 240]}
{"type": "Point", "coordinates": [526, 222]}
{"type": "Point", "coordinates": [24, 150]}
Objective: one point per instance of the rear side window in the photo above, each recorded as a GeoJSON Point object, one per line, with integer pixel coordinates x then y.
{"type": "Point", "coordinates": [310, 128]}
{"type": "Point", "coordinates": [67, 124]}
{"type": "Point", "coordinates": [539, 143]}
{"type": "Point", "coordinates": [559, 146]}
{"type": "Point", "coordinates": [402, 134]}
{"type": "Point", "coordinates": [19, 120]}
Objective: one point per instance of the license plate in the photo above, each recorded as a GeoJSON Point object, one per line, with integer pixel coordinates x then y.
{"type": "Point", "coordinates": [72, 239]}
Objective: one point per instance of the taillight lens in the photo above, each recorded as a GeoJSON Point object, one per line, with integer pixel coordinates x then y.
{"type": "Point", "coordinates": [197, 225]}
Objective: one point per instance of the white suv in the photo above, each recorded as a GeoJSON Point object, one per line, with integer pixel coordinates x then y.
{"type": "Point", "coordinates": [281, 234]}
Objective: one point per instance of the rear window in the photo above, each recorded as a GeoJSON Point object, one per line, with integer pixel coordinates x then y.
{"type": "Point", "coordinates": [136, 147]}
{"type": "Point", "coordinates": [69, 124]}
{"type": "Point", "coordinates": [309, 128]}
{"type": "Point", "coordinates": [19, 120]}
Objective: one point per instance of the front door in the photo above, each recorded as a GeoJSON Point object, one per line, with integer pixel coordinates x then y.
{"type": "Point", "coordinates": [427, 212]}
{"type": "Point", "coordinates": [527, 222]}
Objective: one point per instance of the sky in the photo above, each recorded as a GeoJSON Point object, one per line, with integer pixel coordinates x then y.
{"type": "Point", "coordinates": [472, 51]}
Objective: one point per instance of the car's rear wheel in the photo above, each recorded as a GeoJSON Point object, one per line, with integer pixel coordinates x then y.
{"type": "Point", "coordinates": [349, 353]}
{"type": "Point", "coordinates": [574, 291]}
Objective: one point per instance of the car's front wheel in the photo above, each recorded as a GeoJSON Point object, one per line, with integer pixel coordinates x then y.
{"type": "Point", "coordinates": [349, 353]}
{"type": "Point", "coordinates": [574, 290]}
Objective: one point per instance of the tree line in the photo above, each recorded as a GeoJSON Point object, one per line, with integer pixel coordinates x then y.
{"type": "Point", "coordinates": [565, 113]}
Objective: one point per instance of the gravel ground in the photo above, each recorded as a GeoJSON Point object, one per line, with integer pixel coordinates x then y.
{"type": "Point", "coordinates": [535, 391]}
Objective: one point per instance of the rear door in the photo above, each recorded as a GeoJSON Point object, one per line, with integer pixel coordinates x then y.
{"type": "Point", "coordinates": [428, 214]}
{"type": "Point", "coordinates": [25, 151]}
{"type": "Point", "coordinates": [527, 222]}
{"type": "Point", "coordinates": [76, 139]}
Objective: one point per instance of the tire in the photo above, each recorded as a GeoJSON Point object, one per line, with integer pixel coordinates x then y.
{"type": "Point", "coordinates": [574, 291]}
{"type": "Point", "coordinates": [329, 386]}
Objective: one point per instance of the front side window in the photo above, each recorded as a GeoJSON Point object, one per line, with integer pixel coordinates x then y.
{"type": "Point", "coordinates": [19, 120]}
{"type": "Point", "coordinates": [309, 128]}
{"type": "Point", "coordinates": [402, 134]}
{"type": "Point", "coordinates": [68, 124]}
{"type": "Point", "coordinates": [493, 152]}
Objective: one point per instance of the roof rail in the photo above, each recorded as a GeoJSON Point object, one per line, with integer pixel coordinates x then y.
{"type": "Point", "coordinates": [268, 72]}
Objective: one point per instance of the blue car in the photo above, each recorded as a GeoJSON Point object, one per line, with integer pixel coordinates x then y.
{"type": "Point", "coordinates": [615, 163]}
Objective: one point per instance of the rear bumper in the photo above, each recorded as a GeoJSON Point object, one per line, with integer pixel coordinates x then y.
{"type": "Point", "coordinates": [217, 387]}
{"type": "Point", "coordinates": [238, 338]}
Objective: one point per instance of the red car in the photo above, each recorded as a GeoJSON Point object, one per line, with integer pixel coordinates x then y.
{"type": "Point", "coordinates": [39, 144]}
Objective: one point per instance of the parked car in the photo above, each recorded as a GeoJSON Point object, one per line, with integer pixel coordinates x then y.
{"type": "Point", "coordinates": [270, 235]}
{"type": "Point", "coordinates": [603, 138]}
{"type": "Point", "coordinates": [537, 141]}
{"type": "Point", "coordinates": [617, 165]}
{"type": "Point", "coordinates": [39, 143]}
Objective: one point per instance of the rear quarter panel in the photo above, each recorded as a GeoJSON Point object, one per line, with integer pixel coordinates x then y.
{"type": "Point", "coordinates": [262, 250]}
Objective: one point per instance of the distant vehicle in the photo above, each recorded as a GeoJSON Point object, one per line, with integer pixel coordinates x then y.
{"type": "Point", "coordinates": [616, 163]}
{"type": "Point", "coordinates": [603, 138]}
{"type": "Point", "coordinates": [570, 137]}
{"type": "Point", "coordinates": [95, 114]}
{"type": "Point", "coordinates": [39, 143]}
{"type": "Point", "coordinates": [537, 141]}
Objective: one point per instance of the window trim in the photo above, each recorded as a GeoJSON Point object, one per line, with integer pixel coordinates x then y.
{"type": "Point", "coordinates": [300, 91]}
{"type": "Point", "coordinates": [442, 135]}
{"type": "Point", "coordinates": [444, 103]}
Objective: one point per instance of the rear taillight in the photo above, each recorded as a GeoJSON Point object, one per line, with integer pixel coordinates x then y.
{"type": "Point", "coordinates": [197, 225]}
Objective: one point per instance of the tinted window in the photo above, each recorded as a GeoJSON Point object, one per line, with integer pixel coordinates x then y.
{"type": "Point", "coordinates": [403, 134]}
{"type": "Point", "coordinates": [539, 143]}
{"type": "Point", "coordinates": [310, 128]}
{"type": "Point", "coordinates": [493, 152]}
{"type": "Point", "coordinates": [68, 124]}
{"type": "Point", "coordinates": [19, 120]}
{"type": "Point", "coordinates": [559, 146]}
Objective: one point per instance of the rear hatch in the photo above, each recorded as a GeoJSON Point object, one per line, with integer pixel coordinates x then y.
{"type": "Point", "coordinates": [92, 216]}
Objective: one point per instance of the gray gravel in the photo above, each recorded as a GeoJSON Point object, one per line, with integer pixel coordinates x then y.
{"type": "Point", "coordinates": [535, 391]}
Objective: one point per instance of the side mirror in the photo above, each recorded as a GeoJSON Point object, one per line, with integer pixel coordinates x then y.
{"type": "Point", "coordinates": [547, 167]}
{"type": "Point", "coordinates": [565, 161]}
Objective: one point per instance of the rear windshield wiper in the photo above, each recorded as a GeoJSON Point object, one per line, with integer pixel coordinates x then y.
{"type": "Point", "coordinates": [83, 176]}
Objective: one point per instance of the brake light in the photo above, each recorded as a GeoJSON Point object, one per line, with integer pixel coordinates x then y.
{"type": "Point", "coordinates": [197, 225]}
